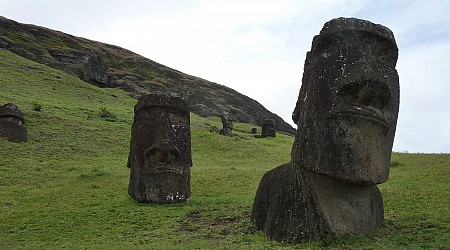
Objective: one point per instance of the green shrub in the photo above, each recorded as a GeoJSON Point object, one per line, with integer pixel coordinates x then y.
{"type": "Point", "coordinates": [37, 106]}
{"type": "Point", "coordinates": [108, 115]}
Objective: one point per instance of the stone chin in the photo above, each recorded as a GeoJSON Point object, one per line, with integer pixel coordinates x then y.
{"type": "Point", "coordinates": [157, 171]}
{"type": "Point", "coordinates": [350, 147]}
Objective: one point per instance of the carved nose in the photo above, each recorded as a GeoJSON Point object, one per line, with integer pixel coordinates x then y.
{"type": "Point", "coordinates": [161, 155]}
{"type": "Point", "coordinates": [369, 94]}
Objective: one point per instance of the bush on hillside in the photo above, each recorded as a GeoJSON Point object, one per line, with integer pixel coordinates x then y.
{"type": "Point", "coordinates": [107, 114]}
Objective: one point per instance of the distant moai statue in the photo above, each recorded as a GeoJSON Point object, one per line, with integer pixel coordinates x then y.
{"type": "Point", "coordinates": [268, 128]}
{"type": "Point", "coordinates": [160, 150]}
{"type": "Point", "coordinates": [227, 123]}
{"type": "Point", "coordinates": [12, 123]}
{"type": "Point", "coordinates": [254, 131]}
{"type": "Point", "coordinates": [346, 115]}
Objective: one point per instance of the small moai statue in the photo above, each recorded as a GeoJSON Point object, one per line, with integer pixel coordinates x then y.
{"type": "Point", "coordinates": [254, 131]}
{"type": "Point", "coordinates": [268, 128]}
{"type": "Point", "coordinates": [160, 150]}
{"type": "Point", "coordinates": [12, 123]}
{"type": "Point", "coordinates": [227, 123]}
{"type": "Point", "coordinates": [346, 115]}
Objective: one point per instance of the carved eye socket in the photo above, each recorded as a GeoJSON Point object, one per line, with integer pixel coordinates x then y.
{"type": "Point", "coordinates": [382, 49]}
{"type": "Point", "coordinates": [366, 93]}
{"type": "Point", "coordinates": [327, 46]}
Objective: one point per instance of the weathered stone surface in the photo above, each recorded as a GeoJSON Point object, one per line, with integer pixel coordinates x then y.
{"type": "Point", "coordinates": [227, 123]}
{"type": "Point", "coordinates": [346, 115]}
{"type": "Point", "coordinates": [12, 123]}
{"type": "Point", "coordinates": [160, 150]}
{"type": "Point", "coordinates": [92, 70]}
{"type": "Point", "coordinates": [268, 128]}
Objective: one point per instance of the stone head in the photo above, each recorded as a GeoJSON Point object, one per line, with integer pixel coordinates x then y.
{"type": "Point", "coordinates": [12, 123]}
{"type": "Point", "coordinates": [226, 119]}
{"type": "Point", "coordinates": [268, 128]}
{"type": "Point", "coordinates": [160, 150]}
{"type": "Point", "coordinates": [348, 104]}
{"type": "Point", "coordinates": [161, 133]}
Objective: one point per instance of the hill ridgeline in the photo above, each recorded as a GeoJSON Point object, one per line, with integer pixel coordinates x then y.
{"type": "Point", "coordinates": [106, 65]}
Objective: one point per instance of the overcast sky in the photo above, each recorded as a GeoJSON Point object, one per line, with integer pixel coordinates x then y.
{"type": "Point", "coordinates": [258, 47]}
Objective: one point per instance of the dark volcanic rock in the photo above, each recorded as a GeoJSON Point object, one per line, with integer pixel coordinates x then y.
{"type": "Point", "coordinates": [91, 68]}
{"type": "Point", "coordinates": [4, 42]}
{"type": "Point", "coordinates": [12, 123]}
{"type": "Point", "coordinates": [346, 115]}
{"type": "Point", "coordinates": [160, 150]}
{"type": "Point", "coordinates": [227, 124]}
{"type": "Point", "coordinates": [106, 65]}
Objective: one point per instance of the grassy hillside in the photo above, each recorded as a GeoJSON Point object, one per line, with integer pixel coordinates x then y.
{"type": "Point", "coordinates": [111, 66]}
{"type": "Point", "coordinates": [67, 186]}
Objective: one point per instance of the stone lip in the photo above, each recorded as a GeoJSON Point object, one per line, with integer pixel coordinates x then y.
{"type": "Point", "coordinates": [365, 114]}
{"type": "Point", "coordinates": [162, 170]}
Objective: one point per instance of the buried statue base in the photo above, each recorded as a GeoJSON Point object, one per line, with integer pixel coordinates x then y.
{"type": "Point", "coordinates": [346, 115]}
{"type": "Point", "coordinates": [297, 206]}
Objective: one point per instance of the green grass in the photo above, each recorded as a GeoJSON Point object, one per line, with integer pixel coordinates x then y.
{"type": "Point", "coordinates": [67, 186]}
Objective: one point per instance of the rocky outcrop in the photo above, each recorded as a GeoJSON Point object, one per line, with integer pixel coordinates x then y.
{"type": "Point", "coordinates": [107, 65]}
{"type": "Point", "coordinates": [90, 67]}
{"type": "Point", "coordinates": [5, 42]}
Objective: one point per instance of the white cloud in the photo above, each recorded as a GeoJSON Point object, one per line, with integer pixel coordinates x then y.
{"type": "Point", "coordinates": [424, 118]}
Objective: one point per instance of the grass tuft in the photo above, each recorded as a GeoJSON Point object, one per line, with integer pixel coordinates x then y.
{"type": "Point", "coordinates": [107, 114]}
{"type": "Point", "coordinates": [37, 106]}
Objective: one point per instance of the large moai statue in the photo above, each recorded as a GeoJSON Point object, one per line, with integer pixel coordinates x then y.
{"type": "Point", "coordinates": [12, 123]}
{"type": "Point", "coordinates": [268, 128]}
{"type": "Point", "coordinates": [346, 115]}
{"type": "Point", "coordinates": [227, 123]}
{"type": "Point", "coordinates": [160, 150]}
